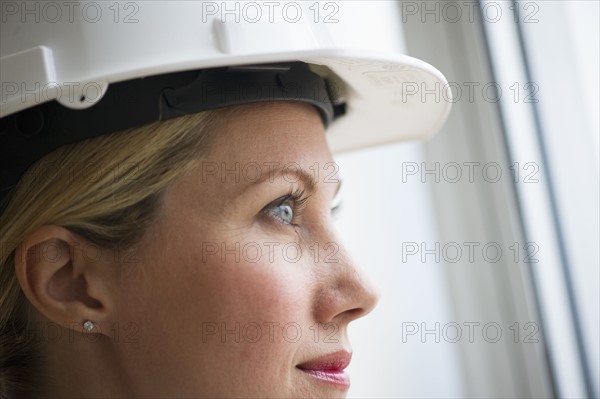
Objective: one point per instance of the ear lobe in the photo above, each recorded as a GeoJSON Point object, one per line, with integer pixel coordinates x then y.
{"type": "Point", "coordinates": [59, 281]}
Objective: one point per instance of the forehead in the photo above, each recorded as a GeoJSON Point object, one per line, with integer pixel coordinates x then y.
{"type": "Point", "coordinates": [276, 132]}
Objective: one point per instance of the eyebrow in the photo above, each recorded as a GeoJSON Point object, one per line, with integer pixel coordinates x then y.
{"type": "Point", "coordinates": [308, 180]}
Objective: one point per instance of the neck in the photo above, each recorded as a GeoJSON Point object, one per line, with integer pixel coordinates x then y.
{"type": "Point", "coordinates": [78, 366]}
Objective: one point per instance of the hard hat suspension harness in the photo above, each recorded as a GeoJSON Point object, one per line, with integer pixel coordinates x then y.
{"type": "Point", "coordinates": [30, 134]}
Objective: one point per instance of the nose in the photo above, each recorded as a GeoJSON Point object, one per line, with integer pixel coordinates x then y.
{"type": "Point", "coordinates": [345, 293]}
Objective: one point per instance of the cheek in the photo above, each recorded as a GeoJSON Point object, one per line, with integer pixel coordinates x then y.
{"type": "Point", "coordinates": [248, 282]}
{"type": "Point", "coordinates": [252, 302]}
{"type": "Point", "coordinates": [236, 308]}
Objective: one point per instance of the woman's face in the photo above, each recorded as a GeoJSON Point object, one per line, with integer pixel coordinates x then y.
{"type": "Point", "coordinates": [242, 279]}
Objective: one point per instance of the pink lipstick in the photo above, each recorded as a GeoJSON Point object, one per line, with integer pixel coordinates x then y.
{"type": "Point", "coordinates": [329, 368]}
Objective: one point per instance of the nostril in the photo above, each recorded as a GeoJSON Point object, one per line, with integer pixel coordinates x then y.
{"type": "Point", "coordinates": [356, 313]}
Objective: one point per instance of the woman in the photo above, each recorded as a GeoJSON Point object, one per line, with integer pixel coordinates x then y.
{"type": "Point", "coordinates": [170, 241]}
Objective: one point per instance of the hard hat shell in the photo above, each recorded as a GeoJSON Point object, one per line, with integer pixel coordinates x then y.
{"type": "Point", "coordinates": [388, 96]}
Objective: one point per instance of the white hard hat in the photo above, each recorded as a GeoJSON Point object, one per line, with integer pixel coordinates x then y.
{"type": "Point", "coordinates": [73, 56]}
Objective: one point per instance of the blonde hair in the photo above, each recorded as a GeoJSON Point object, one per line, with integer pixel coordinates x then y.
{"type": "Point", "coordinates": [106, 189]}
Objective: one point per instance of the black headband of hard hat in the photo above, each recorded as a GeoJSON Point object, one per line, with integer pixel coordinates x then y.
{"type": "Point", "coordinates": [30, 134]}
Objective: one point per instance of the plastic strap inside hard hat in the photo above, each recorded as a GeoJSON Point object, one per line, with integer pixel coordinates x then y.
{"type": "Point", "coordinates": [30, 134]}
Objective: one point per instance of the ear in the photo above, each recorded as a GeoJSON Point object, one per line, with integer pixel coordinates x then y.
{"type": "Point", "coordinates": [68, 279]}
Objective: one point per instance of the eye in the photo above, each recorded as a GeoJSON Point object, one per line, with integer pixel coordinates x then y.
{"type": "Point", "coordinates": [337, 203]}
{"type": "Point", "coordinates": [287, 208]}
{"type": "Point", "coordinates": [282, 212]}
{"type": "Point", "coordinates": [335, 211]}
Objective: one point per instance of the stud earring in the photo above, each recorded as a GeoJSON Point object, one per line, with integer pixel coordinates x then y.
{"type": "Point", "coordinates": [88, 325]}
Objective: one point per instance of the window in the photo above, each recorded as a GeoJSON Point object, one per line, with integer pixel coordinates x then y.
{"type": "Point", "coordinates": [484, 239]}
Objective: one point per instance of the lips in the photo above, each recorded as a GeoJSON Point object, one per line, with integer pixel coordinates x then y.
{"type": "Point", "coordinates": [329, 368]}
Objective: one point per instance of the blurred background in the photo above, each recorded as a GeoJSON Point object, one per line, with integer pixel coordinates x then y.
{"type": "Point", "coordinates": [483, 240]}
